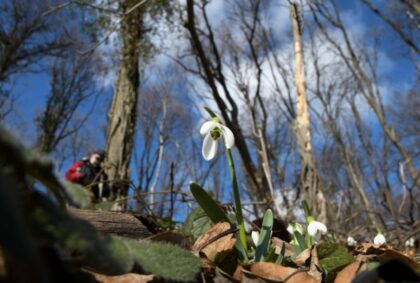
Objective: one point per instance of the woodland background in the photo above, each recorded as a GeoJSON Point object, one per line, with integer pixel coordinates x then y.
{"type": "Point", "coordinates": [132, 77]}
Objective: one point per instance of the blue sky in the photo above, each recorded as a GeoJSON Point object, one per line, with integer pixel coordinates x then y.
{"type": "Point", "coordinates": [398, 71]}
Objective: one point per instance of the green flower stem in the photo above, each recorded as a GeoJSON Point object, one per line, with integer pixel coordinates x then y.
{"type": "Point", "coordinates": [239, 215]}
{"type": "Point", "coordinates": [309, 219]}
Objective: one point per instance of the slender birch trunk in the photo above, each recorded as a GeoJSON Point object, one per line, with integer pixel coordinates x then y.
{"type": "Point", "coordinates": [310, 179]}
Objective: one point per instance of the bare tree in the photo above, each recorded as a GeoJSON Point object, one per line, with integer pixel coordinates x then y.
{"type": "Point", "coordinates": [29, 32]}
{"type": "Point", "coordinates": [310, 179]}
{"type": "Point", "coordinates": [365, 82]}
{"type": "Point", "coordinates": [394, 25]}
{"type": "Point", "coordinates": [70, 87]}
{"type": "Point", "coordinates": [122, 115]}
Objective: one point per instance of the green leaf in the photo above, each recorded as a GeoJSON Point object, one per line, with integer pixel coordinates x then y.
{"type": "Point", "coordinates": [212, 114]}
{"type": "Point", "coordinates": [280, 258]}
{"type": "Point", "coordinates": [306, 209]}
{"type": "Point", "coordinates": [26, 161]}
{"type": "Point", "coordinates": [165, 260]}
{"type": "Point", "coordinates": [301, 243]}
{"type": "Point", "coordinates": [79, 195]}
{"type": "Point", "coordinates": [196, 223]}
{"type": "Point", "coordinates": [265, 235]}
{"type": "Point", "coordinates": [332, 258]}
{"type": "Point", "coordinates": [18, 248]}
{"type": "Point", "coordinates": [110, 256]}
{"type": "Point", "coordinates": [104, 205]}
{"type": "Point", "coordinates": [208, 204]}
{"type": "Point", "coordinates": [242, 254]}
{"type": "Point", "coordinates": [51, 224]}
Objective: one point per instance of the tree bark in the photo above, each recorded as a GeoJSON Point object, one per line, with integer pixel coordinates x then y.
{"type": "Point", "coordinates": [310, 179]}
{"type": "Point", "coordinates": [123, 112]}
{"type": "Point", "coordinates": [117, 223]}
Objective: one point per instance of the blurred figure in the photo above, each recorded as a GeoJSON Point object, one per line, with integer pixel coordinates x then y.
{"type": "Point", "coordinates": [88, 172]}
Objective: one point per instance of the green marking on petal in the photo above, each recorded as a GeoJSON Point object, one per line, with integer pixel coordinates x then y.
{"type": "Point", "coordinates": [216, 133]}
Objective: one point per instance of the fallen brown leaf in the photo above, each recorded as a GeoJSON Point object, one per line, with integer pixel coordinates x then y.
{"type": "Point", "coordinates": [370, 252]}
{"type": "Point", "coordinates": [215, 250]}
{"type": "Point", "coordinates": [302, 258]}
{"type": "Point", "coordinates": [269, 272]}
{"type": "Point", "coordinates": [278, 243]}
{"type": "Point", "coordinates": [125, 278]}
{"type": "Point", "coordinates": [223, 277]}
{"type": "Point", "coordinates": [238, 273]}
{"type": "Point", "coordinates": [314, 268]}
{"type": "Point", "coordinates": [350, 271]}
{"type": "Point", "coordinates": [249, 277]}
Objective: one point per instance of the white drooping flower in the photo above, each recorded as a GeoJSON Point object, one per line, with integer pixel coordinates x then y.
{"type": "Point", "coordinates": [290, 229]}
{"type": "Point", "coordinates": [409, 243]}
{"type": "Point", "coordinates": [255, 235]}
{"type": "Point", "coordinates": [379, 239]}
{"type": "Point", "coordinates": [351, 242]}
{"type": "Point", "coordinates": [316, 227]}
{"type": "Point", "coordinates": [212, 132]}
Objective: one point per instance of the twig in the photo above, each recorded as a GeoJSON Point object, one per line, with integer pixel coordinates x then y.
{"type": "Point", "coordinates": [113, 28]}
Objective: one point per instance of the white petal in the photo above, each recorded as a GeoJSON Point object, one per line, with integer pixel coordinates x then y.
{"type": "Point", "coordinates": [410, 243]}
{"type": "Point", "coordinates": [207, 126]}
{"type": "Point", "coordinates": [209, 147]}
{"type": "Point", "coordinates": [255, 236]}
{"type": "Point", "coordinates": [351, 242]}
{"type": "Point", "coordinates": [290, 229]}
{"type": "Point", "coordinates": [379, 239]}
{"type": "Point", "coordinates": [312, 229]}
{"type": "Point", "coordinates": [315, 226]}
{"type": "Point", "coordinates": [322, 228]}
{"type": "Point", "coordinates": [228, 137]}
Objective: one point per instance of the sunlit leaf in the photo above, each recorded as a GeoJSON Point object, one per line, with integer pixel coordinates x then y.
{"type": "Point", "coordinates": [265, 235]}
{"type": "Point", "coordinates": [208, 204]}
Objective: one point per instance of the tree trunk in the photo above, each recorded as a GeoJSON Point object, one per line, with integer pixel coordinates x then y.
{"type": "Point", "coordinates": [116, 223]}
{"type": "Point", "coordinates": [310, 179]}
{"type": "Point", "coordinates": [122, 115]}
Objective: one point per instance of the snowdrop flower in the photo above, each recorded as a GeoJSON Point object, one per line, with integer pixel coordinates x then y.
{"type": "Point", "coordinates": [379, 239]}
{"type": "Point", "coordinates": [255, 235]}
{"type": "Point", "coordinates": [316, 227]}
{"type": "Point", "coordinates": [351, 242]}
{"type": "Point", "coordinates": [212, 131]}
{"type": "Point", "coordinates": [290, 229]}
{"type": "Point", "coordinates": [409, 243]}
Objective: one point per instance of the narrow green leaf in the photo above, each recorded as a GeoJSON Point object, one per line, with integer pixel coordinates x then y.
{"type": "Point", "coordinates": [281, 255]}
{"type": "Point", "coordinates": [243, 257]}
{"type": "Point", "coordinates": [265, 235]}
{"type": "Point", "coordinates": [306, 209]}
{"type": "Point", "coordinates": [80, 196]}
{"type": "Point", "coordinates": [212, 114]}
{"type": "Point", "coordinates": [208, 204]}
{"type": "Point", "coordinates": [301, 243]}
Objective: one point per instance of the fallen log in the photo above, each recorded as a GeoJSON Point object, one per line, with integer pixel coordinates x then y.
{"type": "Point", "coordinates": [116, 223]}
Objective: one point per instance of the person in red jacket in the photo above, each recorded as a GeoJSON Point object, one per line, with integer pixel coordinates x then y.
{"type": "Point", "coordinates": [88, 172]}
